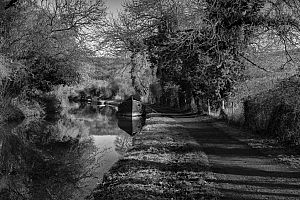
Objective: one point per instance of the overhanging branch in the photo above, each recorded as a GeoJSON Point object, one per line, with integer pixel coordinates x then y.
{"type": "Point", "coordinates": [256, 65]}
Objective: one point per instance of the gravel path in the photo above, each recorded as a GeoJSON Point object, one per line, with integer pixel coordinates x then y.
{"type": "Point", "coordinates": [239, 171]}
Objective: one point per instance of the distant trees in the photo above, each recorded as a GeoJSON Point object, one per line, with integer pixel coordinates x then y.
{"type": "Point", "coordinates": [126, 35]}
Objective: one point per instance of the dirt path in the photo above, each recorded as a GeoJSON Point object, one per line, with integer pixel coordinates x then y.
{"type": "Point", "coordinates": [237, 170]}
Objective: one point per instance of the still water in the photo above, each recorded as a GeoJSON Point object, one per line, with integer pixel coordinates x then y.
{"type": "Point", "coordinates": [63, 158]}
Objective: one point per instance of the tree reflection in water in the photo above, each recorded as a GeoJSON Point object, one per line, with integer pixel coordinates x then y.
{"type": "Point", "coordinates": [43, 161]}
{"type": "Point", "coordinates": [123, 143]}
{"type": "Point", "coordinates": [60, 160]}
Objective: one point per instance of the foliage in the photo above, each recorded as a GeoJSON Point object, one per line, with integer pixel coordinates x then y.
{"type": "Point", "coordinates": [106, 68]}
{"type": "Point", "coordinates": [46, 72]}
{"type": "Point", "coordinates": [258, 81]}
{"type": "Point", "coordinates": [276, 112]}
{"type": "Point", "coordinates": [201, 45]}
{"type": "Point", "coordinates": [43, 44]}
{"type": "Point", "coordinates": [50, 38]}
{"type": "Point", "coordinates": [125, 36]}
{"type": "Point", "coordinates": [203, 59]}
{"type": "Point", "coordinates": [11, 85]}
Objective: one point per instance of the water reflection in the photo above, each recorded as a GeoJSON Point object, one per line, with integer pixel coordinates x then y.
{"type": "Point", "coordinates": [39, 163]}
{"type": "Point", "coordinates": [62, 159]}
{"type": "Point", "coordinates": [103, 127]}
{"type": "Point", "coordinates": [131, 125]}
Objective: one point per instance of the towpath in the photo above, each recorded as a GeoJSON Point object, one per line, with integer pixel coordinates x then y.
{"type": "Point", "coordinates": [196, 157]}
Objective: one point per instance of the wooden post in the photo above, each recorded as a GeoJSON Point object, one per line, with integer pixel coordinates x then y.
{"type": "Point", "coordinates": [208, 106]}
{"type": "Point", "coordinates": [223, 105]}
{"type": "Point", "coordinates": [232, 109]}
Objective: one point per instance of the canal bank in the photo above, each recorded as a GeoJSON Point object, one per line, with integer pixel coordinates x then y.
{"type": "Point", "coordinates": [163, 163]}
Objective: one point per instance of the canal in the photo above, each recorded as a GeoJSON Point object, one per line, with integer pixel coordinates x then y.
{"type": "Point", "coordinates": [65, 157]}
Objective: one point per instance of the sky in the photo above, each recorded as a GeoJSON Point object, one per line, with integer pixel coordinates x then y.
{"type": "Point", "coordinates": [113, 6]}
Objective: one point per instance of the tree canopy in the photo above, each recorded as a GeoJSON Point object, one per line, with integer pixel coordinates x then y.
{"type": "Point", "coordinates": [201, 46]}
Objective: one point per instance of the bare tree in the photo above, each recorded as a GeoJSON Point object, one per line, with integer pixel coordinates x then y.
{"type": "Point", "coordinates": [51, 37]}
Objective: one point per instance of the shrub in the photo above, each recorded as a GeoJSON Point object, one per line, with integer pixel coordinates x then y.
{"type": "Point", "coordinates": [45, 72]}
{"type": "Point", "coordinates": [276, 112]}
{"type": "Point", "coordinates": [29, 108]}
{"type": "Point", "coordinates": [285, 124]}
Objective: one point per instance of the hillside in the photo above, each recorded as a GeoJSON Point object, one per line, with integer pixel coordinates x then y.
{"type": "Point", "coordinates": [258, 80]}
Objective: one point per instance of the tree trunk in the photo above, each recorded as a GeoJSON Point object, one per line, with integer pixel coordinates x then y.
{"type": "Point", "coordinates": [133, 75]}
{"type": "Point", "coordinates": [198, 104]}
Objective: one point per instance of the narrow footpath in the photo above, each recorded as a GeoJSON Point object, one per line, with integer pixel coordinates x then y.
{"type": "Point", "coordinates": [193, 157]}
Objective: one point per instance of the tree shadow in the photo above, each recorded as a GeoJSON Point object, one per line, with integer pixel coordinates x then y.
{"type": "Point", "coordinates": [247, 171]}
{"type": "Point", "coordinates": [133, 192]}
{"type": "Point", "coordinates": [234, 162]}
{"type": "Point", "coordinates": [219, 145]}
{"type": "Point", "coordinates": [159, 148]}
{"type": "Point", "coordinates": [132, 165]}
{"type": "Point", "coordinates": [274, 194]}
{"type": "Point", "coordinates": [259, 184]}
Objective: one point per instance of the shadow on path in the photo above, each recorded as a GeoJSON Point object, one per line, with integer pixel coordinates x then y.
{"type": "Point", "coordinates": [239, 171]}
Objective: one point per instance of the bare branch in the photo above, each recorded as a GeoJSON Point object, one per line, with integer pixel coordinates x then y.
{"type": "Point", "coordinates": [254, 64]}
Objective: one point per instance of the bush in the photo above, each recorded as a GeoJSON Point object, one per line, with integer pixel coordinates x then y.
{"type": "Point", "coordinates": [15, 103]}
{"type": "Point", "coordinates": [45, 72]}
{"type": "Point", "coordinates": [29, 108]}
{"type": "Point", "coordinates": [276, 112]}
{"type": "Point", "coordinates": [285, 124]}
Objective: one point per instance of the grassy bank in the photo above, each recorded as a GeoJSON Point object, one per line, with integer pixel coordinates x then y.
{"type": "Point", "coordinates": [164, 163]}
